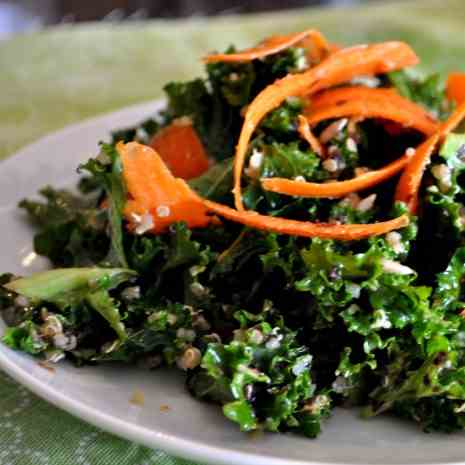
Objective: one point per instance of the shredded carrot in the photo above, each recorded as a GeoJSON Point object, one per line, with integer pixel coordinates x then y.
{"type": "Point", "coordinates": [306, 133]}
{"type": "Point", "coordinates": [455, 87]}
{"type": "Point", "coordinates": [151, 186]}
{"type": "Point", "coordinates": [338, 68]}
{"type": "Point", "coordinates": [343, 232]}
{"type": "Point", "coordinates": [365, 102]}
{"type": "Point", "coordinates": [410, 181]}
{"type": "Point", "coordinates": [156, 192]}
{"type": "Point", "coordinates": [181, 149]}
{"type": "Point", "coordinates": [334, 189]}
{"type": "Point", "coordinates": [340, 95]}
{"type": "Point", "coordinates": [274, 44]}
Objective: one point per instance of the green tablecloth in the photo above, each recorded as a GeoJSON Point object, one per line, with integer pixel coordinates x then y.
{"type": "Point", "coordinates": [53, 78]}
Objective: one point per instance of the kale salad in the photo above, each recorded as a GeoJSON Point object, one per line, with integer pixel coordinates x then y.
{"type": "Point", "coordinates": [289, 232]}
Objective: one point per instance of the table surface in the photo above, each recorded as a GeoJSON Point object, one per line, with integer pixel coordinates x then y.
{"type": "Point", "coordinates": [62, 75]}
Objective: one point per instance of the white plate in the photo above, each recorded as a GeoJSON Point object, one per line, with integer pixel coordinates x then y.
{"type": "Point", "coordinates": [191, 429]}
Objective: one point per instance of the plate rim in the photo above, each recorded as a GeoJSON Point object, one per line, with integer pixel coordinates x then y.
{"type": "Point", "coordinates": [173, 445]}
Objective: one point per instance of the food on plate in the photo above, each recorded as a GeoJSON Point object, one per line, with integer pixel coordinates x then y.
{"type": "Point", "coordinates": [289, 232]}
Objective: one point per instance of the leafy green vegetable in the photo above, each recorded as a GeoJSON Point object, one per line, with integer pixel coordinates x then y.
{"type": "Point", "coordinates": [267, 358]}
{"type": "Point", "coordinates": [67, 287]}
{"type": "Point", "coordinates": [288, 161]}
{"type": "Point", "coordinates": [72, 230]}
{"type": "Point", "coordinates": [24, 337]}
{"type": "Point", "coordinates": [105, 305]}
{"type": "Point", "coordinates": [109, 175]}
{"type": "Point", "coordinates": [428, 91]}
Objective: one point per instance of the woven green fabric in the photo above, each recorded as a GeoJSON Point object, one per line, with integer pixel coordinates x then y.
{"type": "Point", "coordinates": [54, 78]}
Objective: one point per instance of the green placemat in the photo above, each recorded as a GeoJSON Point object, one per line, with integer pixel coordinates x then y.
{"type": "Point", "coordinates": [53, 78]}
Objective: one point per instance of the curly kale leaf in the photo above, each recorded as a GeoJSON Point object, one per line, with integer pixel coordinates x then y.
{"type": "Point", "coordinates": [216, 183]}
{"type": "Point", "coordinates": [345, 211]}
{"type": "Point", "coordinates": [281, 124]}
{"type": "Point", "coordinates": [268, 374]}
{"type": "Point", "coordinates": [71, 229]}
{"type": "Point", "coordinates": [334, 278]}
{"type": "Point", "coordinates": [109, 174]}
{"type": "Point", "coordinates": [446, 195]}
{"type": "Point", "coordinates": [289, 161]}
{"type": "Point", "coordinates": [449, 295]}
{"type": "Point", "coordinates": [428, 91]}
{"type": "Point", "coordinates": [25, 337]}
{"type": "Point", "coordinates": [433, 413]}
{"type": "Point", "coordinates": [166, 331]}
{"type": "Point", "coordinates": [233, 81]}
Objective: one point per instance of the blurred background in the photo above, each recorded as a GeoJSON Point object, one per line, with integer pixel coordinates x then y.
{"type": "Point", "coordinates": [26, 15]}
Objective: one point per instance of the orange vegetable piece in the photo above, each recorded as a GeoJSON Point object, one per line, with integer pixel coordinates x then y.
{"type": "Point", "coordinates": [273, 45]}
{"type": "Point", "coordinates": [155, 191]}
{"type": "Point", "coordinates": [338, 68]}
{"type": "Point", "coordinates": [364, 102]}
{"type": "Point", "coordinates": [343, 232]}
{"type": "Point", "coordinates": [340, 95]}
{"type": "Point", "coordinates": [151, 186]}
{"type": "Point", "coordinates": [181, 149]}
{"type": "Point", "coordinates": [306, 133]}
{"type": "Point", "coordinates": [410, 181]}
{"type": "Point", "coordinates": [334, 189]}
{"type": "Point", "coordinates": [455, 87]}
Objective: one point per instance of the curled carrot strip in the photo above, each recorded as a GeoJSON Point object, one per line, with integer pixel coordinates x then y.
{"type": "Point", "coordinates": [364, 102]}
{"type": "Point", "coordinates": [273, 45]}
{"type": "Point", "coordinates": [343, 232]}
{"type": "Point", "coordinates": [181, 149]}
{"type": "Point", "coordinates": [340, 95]}
{"type": "Point", "coordinates": [455, 87]}
{"type": "Point", "coordinates": [410, 181]}
{"type": "Point", "coordinates": [306, 133]}
{"type": "Point", "coordinates": [156, 192]}
{"type": "Point", "coordinates": [334, 189]}
{"type": "Point", "coordinates": [339, 67]}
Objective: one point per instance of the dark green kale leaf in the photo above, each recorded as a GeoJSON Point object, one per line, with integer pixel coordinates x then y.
{"type": "Point", "coordinates": [281, 124]}
{"type": "Point", "coordinates": [449, 295]}
{"type": "Point", "coordinates": [433, 413]}
{"type": "Point", "coordinates": [107, 171]}
{"type": "Point", "coordinates": [268, 374]}
{"type": "Point", "coordinates": [289, 161]}
{"type": "Point", "coordinates": [71, 229]}
{"type": "Point", "coordinates": [428, 91]}
{"type": "Point", "coordinates": [233, 81]}
{"type": "Point", "coordinates": [164, 336]}
{"type": "Point", "coordinates": [216, 183]}
{"type": "Point", "coordinates": [347, 211]}
{"type": "Point", "coordinates": [447, 194]}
